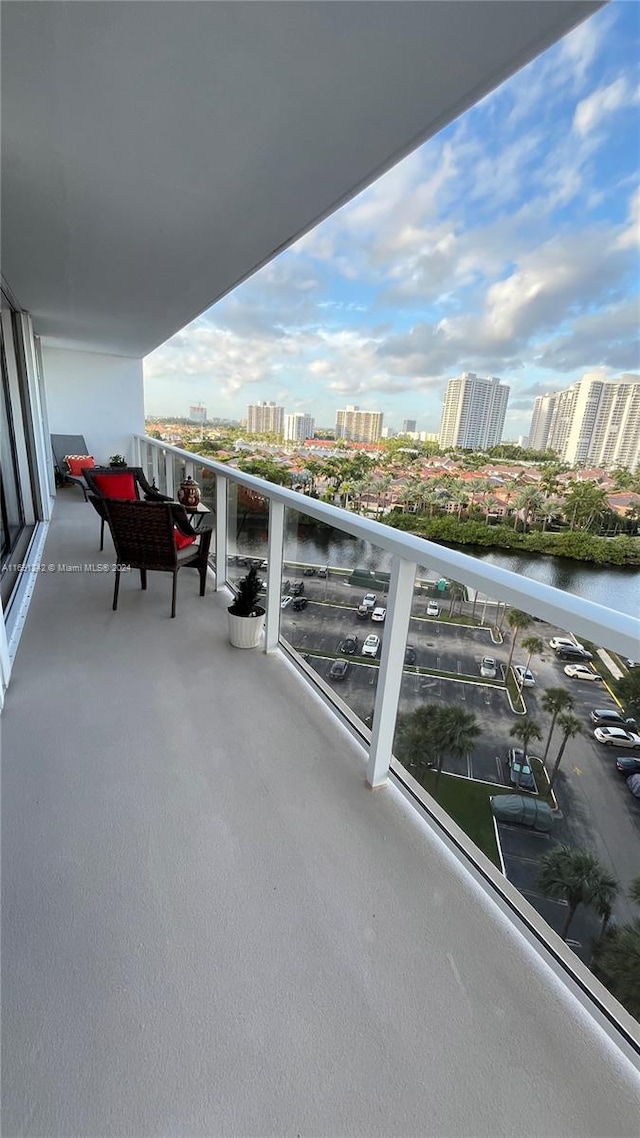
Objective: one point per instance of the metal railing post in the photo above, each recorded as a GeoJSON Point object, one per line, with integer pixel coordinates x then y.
{"type": "Point", "coordinates": [168, 467]}
{"type": "Point", "coordinates": [391, 665]}
{"type": "Point", "coordinates": [221, 532]}
{"type": "Point", "coordinates": [276, 546]}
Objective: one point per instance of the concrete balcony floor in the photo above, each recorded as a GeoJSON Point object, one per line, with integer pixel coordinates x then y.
{"type": "Point", "coordinates": [212, 927]}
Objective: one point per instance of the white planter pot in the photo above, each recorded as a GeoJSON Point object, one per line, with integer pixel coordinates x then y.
{"type": "Point", "coordinates": [245, 631]}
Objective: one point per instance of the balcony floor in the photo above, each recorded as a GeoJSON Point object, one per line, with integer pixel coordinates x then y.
{"type": "Point", "coordinates": [212, 927]}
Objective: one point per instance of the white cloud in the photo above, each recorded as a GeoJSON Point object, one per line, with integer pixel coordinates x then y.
{"type": "Point", "coordinates": [591, 111]}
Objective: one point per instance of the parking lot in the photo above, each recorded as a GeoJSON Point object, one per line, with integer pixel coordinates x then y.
{"type": "Point", "coordinates": [596, 809]}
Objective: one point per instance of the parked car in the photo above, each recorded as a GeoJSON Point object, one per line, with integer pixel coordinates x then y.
{"type": "Point", "coordinates": [309, 571]}
{"type": "Point", "coordinates": [285, 602]}
{"type": "Point", "coordinates": [369, 600]}
{"type": "Point", "coordinates": [573, 652]}
{"type": "Point", "coordinates": [633, 782]}
{"type": "Point", "coordinates": [286, 586]}
{"type": "Point", "coordinates": [522, 810]}
{"type": "Point", "coordinates": [520, 772]}
{"type": "Point", "coordinates": [617, 737]}
{"type": "Point", "coordinates": [371, 646]}
{"type": "Point", "coordinates": [297, 588]}
{"type": "Point", "coordinates": [322, 571]}
{"type": "Point", "coordinates": [564, 642]}
{"type": "Point", "coordinates": [363, 612]}
{"type": "Point", "coordinates": [410, 655]}
{"type": "Point", "coordinates": [299, 603]}
{"type": "Point", "coordinates": [349, 645]}
{"type": "Point", "coordinates": [628, 765]}
{"type": "Point", "coordinates": [338, 669]}
{"type": "Point", "coordinates": [378, 614]}
{"type": "Point", "coordinates": [488, 667]}
{"type": "Point", "coordinates": [581, 672]}
{"type": "Point", "coordinates": [609, 717]}
{"type": "Point", "coordinates": [433, 608]}
{"type": "Point", "coordinates": [524, 677]}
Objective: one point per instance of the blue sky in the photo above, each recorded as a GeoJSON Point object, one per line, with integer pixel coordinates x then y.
{"type": "Point", "coordinates": [506, 245]}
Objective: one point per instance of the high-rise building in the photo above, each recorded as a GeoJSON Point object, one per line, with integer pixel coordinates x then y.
{"type": "Point", "coordinates": [298, 427]}
{"type": "Point", "coordinates": [198, 413]}
{"type": "Point", "coordinates": [474, 411]}
{"type": "Point", "coordinates": [595, 421]}
{"type": "Point", "coordinates": [359, 426]}
{"type": "Point", "coordinates": [408, 426]}
{"type": "Point", "coordinates": [265, 418]}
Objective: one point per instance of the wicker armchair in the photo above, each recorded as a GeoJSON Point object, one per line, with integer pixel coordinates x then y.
{"type": "Point", "coordinates": [62, 445]}
{"type": "Point", "coordinates": [107, 482]}
{"type": "Point", "coordinates": [144, 534]}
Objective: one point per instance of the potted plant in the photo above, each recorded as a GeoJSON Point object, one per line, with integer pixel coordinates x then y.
{"type": "Point", "coordinates": [246, 616]}
{"type": "Point", "coordinates": [117, 460]}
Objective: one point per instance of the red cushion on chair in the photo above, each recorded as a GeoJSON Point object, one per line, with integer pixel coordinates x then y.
{"type": "Point", "coordinates": [121, 486]}
{"type": "Point", "coordinates": [182, 540]}
{"type": "Point", "coordinates": [78, 462]}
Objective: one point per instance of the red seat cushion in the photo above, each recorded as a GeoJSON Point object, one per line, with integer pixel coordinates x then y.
{"type": "Point", "coordinates": [121, 486]}
{"type": "Point", "coordinates": [78, 462]}
{"type": "Point", "coordinates": [182, 540]}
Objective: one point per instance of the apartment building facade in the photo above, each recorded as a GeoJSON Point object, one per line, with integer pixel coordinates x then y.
{"type": "Point", "coordinates": [474, 412]}
{"type": "Point", "coordinates": [298, 427]}
{"type": "Point", "coordinates": [265, 418]}
{"type": "Point", "coordinates": [595, 421]}
{"type": "Point", "coordinates": [359, 426]}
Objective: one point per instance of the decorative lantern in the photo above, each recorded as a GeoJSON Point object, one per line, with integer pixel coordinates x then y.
{"type": "Point", "coordinates": [189, 494]}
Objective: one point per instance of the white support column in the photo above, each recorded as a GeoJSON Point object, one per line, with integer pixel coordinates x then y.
{"type": "Point", "coordinates": [189, 469]}
{"type": "Point", "coordinates": [276, 545]}
{"type": "Point", "coordinates": [137, 451]}
{"type": "Point", "coordinates": [221, 531]}
{"type": "Point", "coordinates": [394, 643]}
{"type": "Point", "coordinates": [168, 464]}
{"type": "Point", "coordinates": [155, 456]}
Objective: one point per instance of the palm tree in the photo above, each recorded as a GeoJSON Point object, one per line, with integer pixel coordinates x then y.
{"type": "Point", "coordinates": [570, 727]}
{"type": "Point", "coordinates": [577, 877]}
{"type": "Point", "coordinates": [554, 701]}
{"type": "Point", "coordinates": [516, 620]}
{"type": "Point", "coordinates": [525, 731]}
{"type": "Point", "coordinates": [424, 737]}
{"type": "Point", "coordinates": [532, 644]}
{"type": "Point", "coordinates": [617, 964]}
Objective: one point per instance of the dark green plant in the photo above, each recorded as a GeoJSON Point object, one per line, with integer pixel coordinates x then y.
{"type": "Point", "coordinates": [246, 602]}
{"type": "Point", "coordinates": [577, 877]}
{"type": "Point", "coordinates": [117, 460]}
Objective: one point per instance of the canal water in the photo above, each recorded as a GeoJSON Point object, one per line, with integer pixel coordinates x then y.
{"type": "Point", "coordinates": [614, 587]}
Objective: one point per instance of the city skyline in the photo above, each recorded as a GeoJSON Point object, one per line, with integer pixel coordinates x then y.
{"type": "Point", "coordinates": [506, 245]}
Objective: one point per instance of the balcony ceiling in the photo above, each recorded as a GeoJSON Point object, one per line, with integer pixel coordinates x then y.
{"type": "Point", "coordinates": [154, 155]}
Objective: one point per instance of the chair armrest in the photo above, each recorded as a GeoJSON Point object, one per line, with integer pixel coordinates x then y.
{"type": "Point", "coordinates": [181, 520]}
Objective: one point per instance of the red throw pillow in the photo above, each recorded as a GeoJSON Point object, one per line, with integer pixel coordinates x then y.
{"type": "Point", "coordinates": [78, 462]}
{"type": "Point", "coordinates": [181, 539]}
{"type": "Point", "coordinates": [121, 486]}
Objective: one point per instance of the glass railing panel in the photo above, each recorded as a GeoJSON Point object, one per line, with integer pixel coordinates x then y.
{"type": "Point", "coordinates": [247, 532]}
{"type": "Point", "coordinates": [343, 584]}
{"type": "Point", "coordinates": [496, 703]}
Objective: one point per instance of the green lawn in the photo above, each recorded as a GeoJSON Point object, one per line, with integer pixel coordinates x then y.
{"type": "Point", "coordinates": [468, 804]}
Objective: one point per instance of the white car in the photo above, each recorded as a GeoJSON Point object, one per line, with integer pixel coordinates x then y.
{"type": "Point", "coordinates": [378, 614]}
{"type": "Point", "coordinates": [488, 667]}
{"type": "Point", "coordinates": [369, 601]}
{"type": "Point", "coordinates": [580, 672]}
{"type": "Point", "coordinates": [285, 602]}
{"type": "Point", "coordinates": [524, 676]}
{"type": "Point", "coordinates": [371, 646]}
{"type": "Point", "coordinates": [433, 609]}
{"type": "Point", "coordinates": [617, 737]}
{"type": "Point", "coordinates": [564, 642]}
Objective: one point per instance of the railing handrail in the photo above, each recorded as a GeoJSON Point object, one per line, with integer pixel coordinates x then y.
{"type": "Point", "coordinates": [565, 610]}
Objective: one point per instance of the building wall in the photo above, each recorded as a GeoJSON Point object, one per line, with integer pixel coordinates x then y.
{"type": "Point", "coordinates": [359, 426]}
{"type": "Point", "coordinates": [594, 421]}
{"type": "Point", "coordinates": [474, 411]}
{"type": "Point", "coordinates": [263, 418]}
{"type": "Point", "coordinates": [96, 395]}
{"type": "Point", "coordinates": [298, 427]}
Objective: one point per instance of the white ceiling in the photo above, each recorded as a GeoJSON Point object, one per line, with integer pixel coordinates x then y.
{"type": "Point", "coordinates": [156, 154]}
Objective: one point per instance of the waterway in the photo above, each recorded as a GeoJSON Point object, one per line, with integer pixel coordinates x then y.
{"type": "Point", "coordinates": [614, 587]}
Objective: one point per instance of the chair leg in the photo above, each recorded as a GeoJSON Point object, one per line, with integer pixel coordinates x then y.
{"type": "Point", "coordinates": [203, 578]}
{"type": "Point", "coordinates": [116, 590]}
{"type": "Point", "coordinates": [143, 578]}
{"type": "Point", "coordinates": [101, 534]}
{"type": "Point", "coordinates": [173, 595]}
